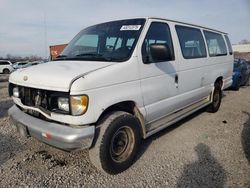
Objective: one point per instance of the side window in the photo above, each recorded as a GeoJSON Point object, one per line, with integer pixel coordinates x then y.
{"type": "Point", "coordinates": [216, 44]}
{"type": "Point", "coordinates": [110, 43]}
{"type": "Point", "coordinates": [229, 45]}
{"type": "Point", "coordinates": [87, 43]}
{"type": "Point", "coordinates": [158, 33]}
{"type": "Point", "coordinates": [4, 63]}
{"type": "Point", "coordinates": [130, 42]}
{"type": "Point", "coordinates": [118, 43]}
{"type": "Point", "coordinates": [113, 43]}
{"type": "Point", "coordinates": [191, 42]}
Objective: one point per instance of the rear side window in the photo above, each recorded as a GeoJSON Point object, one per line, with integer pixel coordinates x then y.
{"type": "Point", "coordinates": [216, 44]}
{"type": "Point", "coordinates": [229, 45]}
{"type": "Point", "coordinates": [158, 33]}
{"type": "Point", "coordinates": [191, 42]}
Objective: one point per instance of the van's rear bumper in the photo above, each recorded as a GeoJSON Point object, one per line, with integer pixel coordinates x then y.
{"type": "Point", "coordinates": [55, 134]}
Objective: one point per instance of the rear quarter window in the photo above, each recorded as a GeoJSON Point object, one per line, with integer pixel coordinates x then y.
{"type": "Point", "coordinates": [215, 43]}
{"type": "Point", "coordinates": [191, 42]}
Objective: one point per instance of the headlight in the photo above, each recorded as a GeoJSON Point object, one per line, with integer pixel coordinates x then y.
{"type": "Point", "coordinates": [79, 104]}
{"type": "Point", "coordinates": [16, 92]}
{"type": "Point", "coordinates": [63, 104]}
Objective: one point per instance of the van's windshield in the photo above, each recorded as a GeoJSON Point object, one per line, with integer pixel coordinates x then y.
{"type": "Point", "coordinates": [111, 41]}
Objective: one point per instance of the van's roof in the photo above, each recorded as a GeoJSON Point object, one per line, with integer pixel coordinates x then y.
{"type": "Point", "coordinates": [157, 18]}
{"type": "Point", "coordinates": [184, 23]}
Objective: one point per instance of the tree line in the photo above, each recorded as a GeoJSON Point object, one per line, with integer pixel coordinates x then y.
{"type": "Point", "coordinates": [15, 58]}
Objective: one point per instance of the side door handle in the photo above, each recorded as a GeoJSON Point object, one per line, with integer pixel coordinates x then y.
{"type": "Point", "coordinates": [176, 80]}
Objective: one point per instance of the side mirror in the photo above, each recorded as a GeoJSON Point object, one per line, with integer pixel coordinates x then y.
{"type": "Point", "coordinates": [160, 53]}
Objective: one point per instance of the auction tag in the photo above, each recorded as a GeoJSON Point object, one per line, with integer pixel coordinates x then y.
{"type": "Point", "coordinates": [130, 27]}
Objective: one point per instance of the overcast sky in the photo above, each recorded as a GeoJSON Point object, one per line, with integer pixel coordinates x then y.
{"type": "Point", "coordinates": [28, 27]}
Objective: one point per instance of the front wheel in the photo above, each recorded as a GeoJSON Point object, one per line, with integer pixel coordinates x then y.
{"type": "Point", "coordinates": [6, 71]}
{"type": "Point", "coordinates": [216, 100]}
{"type": "Point", "coordinates": [117, 143]}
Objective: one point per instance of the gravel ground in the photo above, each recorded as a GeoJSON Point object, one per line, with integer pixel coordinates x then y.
{"type": "Point", "coordinates": [204, 150]}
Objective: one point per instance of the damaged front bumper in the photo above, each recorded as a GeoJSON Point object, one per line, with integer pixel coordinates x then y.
{"type": "Point", "coordinates": [55, 134]}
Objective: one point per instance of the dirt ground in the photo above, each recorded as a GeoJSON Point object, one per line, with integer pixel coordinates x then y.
{"type": "Point", "coordinates": [204, 150]}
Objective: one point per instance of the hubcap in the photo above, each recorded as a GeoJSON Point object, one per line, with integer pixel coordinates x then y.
{"type": "Point", "coordinates": [122, 144]}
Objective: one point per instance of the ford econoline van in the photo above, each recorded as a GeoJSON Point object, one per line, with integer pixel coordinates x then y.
{"type": "Point", "coordinates": [119, 82]}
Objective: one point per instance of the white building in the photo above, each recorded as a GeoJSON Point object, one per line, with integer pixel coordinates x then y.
{"type": "Point", "coordinates": [241, 48]}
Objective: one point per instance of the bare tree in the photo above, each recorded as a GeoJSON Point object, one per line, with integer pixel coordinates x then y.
{"type": "Point", "coordinates": [15, 58]}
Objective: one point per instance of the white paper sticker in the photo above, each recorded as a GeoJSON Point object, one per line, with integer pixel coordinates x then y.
{"type": "Point", "coordinates": [130, 27]}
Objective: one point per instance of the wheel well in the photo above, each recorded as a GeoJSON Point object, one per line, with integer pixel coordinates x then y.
{"type": "Point", "coordinates": [126, 106]}
{"type": "Point", "coordinates": [219, 81]}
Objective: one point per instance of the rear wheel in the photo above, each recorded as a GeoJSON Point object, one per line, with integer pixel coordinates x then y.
{"type": "Point", "coordinates": [117, 143]}
{"type": "Point", "coordinates": [216, 100]}
{"type": "Point", "coordinates": [6, 71]}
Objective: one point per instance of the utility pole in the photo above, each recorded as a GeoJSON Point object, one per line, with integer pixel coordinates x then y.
{"type": "Point", "coordinates": [45, 35]}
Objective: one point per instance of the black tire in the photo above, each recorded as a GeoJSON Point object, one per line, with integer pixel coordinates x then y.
{"type": "Point", "coordinates": [6, 71]}
{"type": "Point", "coordinates": [111, 154]}
{"type": "Point", "coordinates": [216, 99]}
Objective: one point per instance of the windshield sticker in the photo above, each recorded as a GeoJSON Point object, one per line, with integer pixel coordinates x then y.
{"type": "Point", "coordinates": [130, 27]}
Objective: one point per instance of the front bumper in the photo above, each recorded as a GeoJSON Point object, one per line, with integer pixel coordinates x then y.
{"type": "Point", "coordinates": [55, 134]}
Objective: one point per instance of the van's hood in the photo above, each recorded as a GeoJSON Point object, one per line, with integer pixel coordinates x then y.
{"type": "Point", "coordinates": [55, 75]}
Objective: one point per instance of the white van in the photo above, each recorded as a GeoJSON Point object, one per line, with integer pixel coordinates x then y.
{"type": "Point", "coordinates": [6, 67]}
{"type": "Point", "coordinates": [119, 82]}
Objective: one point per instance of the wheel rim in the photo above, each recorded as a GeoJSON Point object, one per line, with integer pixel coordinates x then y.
{"type": "Point", "coordinates": [216, 98]}
{"type": "Point", "coordinates": [122, 144]}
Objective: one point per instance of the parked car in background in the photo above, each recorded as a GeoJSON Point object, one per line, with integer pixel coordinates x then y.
{"type": "Point", "coordinates": [19, 65]}
{"type": "Point", "coordinates": [6, 67]}
{"type": "Point", "coordinates": [32, 63]}
{"type": "Point", "coordinates": [241, 73]}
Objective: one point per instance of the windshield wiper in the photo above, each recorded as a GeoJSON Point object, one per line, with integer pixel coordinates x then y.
{"type": "Point", "coordinates": [89, 54]}
{"type": "Point", "coordinates": [61, 57]}
{"type": "Point", "coordinates": [94, 56]}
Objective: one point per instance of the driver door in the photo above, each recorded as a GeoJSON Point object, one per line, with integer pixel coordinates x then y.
{"type": "Point", "coordinates": [159, 81]}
